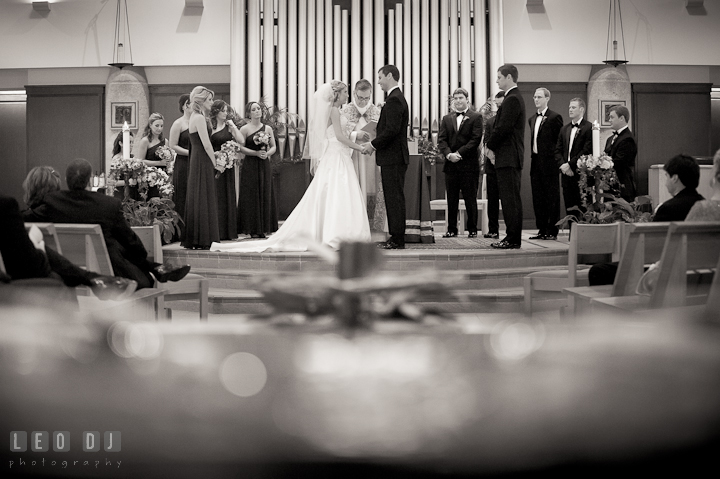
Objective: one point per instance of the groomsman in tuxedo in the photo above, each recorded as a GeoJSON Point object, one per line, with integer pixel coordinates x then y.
{"type": "Point", "coordinates": [458, 141]}
{"type": "Point", "coordinates": [507, 144]}
{"type": "Point", "coordinates": [359, 113]}
{"type": "Point", "coordinates": [574, 141]}
{"type": "Point", "coordinates": [621, 147]}
{"type": "Point", "coordinates": [391, 154]}
{"type": "Point", "coordinates": [544, 126]}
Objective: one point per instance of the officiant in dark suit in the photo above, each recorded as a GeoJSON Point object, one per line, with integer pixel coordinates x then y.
{"type": "Point", "coordinates": [622, 148]}
{"type": "Point", "coordinates": [507, 144]}
{"type": "Point", "coordinates": [574, 141]}
{"type": "Point", "coordinates": [458, 141]}
{"type": "Point", "coordinates": [391, 154]}
{"type": "Point", "coordinates": [544, 127]}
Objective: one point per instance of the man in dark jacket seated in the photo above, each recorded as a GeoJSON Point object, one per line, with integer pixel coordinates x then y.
{"type": "Point", "coordinates": [26, 257]}
{"type": "Point", "coordinates": [682, 176]}
{"type": "Point", "coordinates": [78, 205]}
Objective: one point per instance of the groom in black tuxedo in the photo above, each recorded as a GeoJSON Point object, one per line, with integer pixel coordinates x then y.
{"type": "Point", "coordinates": [507, 143]}
{"type": "Point", "coordinates": [391, 154]}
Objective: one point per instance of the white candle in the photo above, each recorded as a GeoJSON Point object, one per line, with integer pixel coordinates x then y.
{"type": "Point", "coordinates": [126, 142]}
{"type": "Point", "coordinates": [596, 139]}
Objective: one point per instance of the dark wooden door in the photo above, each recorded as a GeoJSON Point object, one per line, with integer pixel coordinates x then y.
{"type": "Point", "coordinates": [64, 123]}
{"type": "Point", "coordinates": [669, 118]}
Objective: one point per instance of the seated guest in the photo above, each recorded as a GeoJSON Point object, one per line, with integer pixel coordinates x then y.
{"type": "Point", "coordinates": [709, 210]}
{"type": "Point", "coordinates": [78, 205]}
{"type": "Point", "coordinates": [26, 256]}
{"type": "Point", "coordinates": [39, 182]}
{"type": "Point", "coordinates": [682, 177]}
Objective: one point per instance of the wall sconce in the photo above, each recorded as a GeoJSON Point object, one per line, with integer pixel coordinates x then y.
{"type": "Point", "coordinates": [695, 7]}
{"type": "Point", "coordinates": [193, 7]}
{"type": "Point", "coordinates": [43, 8]}
{"type": "Point", "coordinates": [535, 6]}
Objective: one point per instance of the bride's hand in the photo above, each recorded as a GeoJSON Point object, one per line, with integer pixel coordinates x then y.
{"type": "Point", "coordinates": [363, 136]}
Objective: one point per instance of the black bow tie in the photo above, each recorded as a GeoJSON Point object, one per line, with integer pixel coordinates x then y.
{"type": "Point", "coordinates": [459, 114]}
{"type": "Point", "coordinates": [539, 114]}
{"type": "Point", "coordinates": [615, 133]}
{"type": "Point", "coordinates": [576, 125]}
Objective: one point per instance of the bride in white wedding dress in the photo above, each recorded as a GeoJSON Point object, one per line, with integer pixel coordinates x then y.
{"type": "Point", "coordinates": [332, 210]}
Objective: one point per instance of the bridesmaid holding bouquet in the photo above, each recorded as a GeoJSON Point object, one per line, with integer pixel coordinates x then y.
{"type": "Point", "coordinates": [201, 216]}
{"type": "Point", "coordinates": [257, 213]}
{"type": "Point", "coordinates": [224, 130]}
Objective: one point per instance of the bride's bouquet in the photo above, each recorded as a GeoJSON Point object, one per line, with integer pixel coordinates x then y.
{"type": "Point", "coordinates": [227, 157]}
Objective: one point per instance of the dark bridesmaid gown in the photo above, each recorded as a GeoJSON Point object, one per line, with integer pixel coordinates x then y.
{"type": "Point", "coordinates": [225, 189]}
{"type": "Point", "coordinates": [180, 179]}
{"type": "Point", "coordinates": [201, 218]}
{"type": "Point", "coordinates": [153, 191]}
{"type": "Point", "coordinates": [257, 213]}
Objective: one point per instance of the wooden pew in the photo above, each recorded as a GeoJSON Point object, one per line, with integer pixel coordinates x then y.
{"type": "Point", "coordinates": [585, 239]}
{"type": "Point", "coordinates": [689, 247]}
{"type": "Point", "coordinates": [192, 286]}
{"type": "Point", "coordinates": [49, 234]}
{"type": "Point", "coordinates": [85, 246]}
{"type": "Point", "coordinates": [642, 244]}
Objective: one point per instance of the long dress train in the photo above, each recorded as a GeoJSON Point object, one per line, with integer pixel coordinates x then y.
{"type": "Point", "coordinates": [201, 219]}
{"type": "Point", "coordinates": [225, 190]}
{"type": "Point", "coordinates": [332, 209]}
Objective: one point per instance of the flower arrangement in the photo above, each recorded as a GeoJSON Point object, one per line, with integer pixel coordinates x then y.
{"type": "Point", "coordinates": [227, 157]}
{"type": "Point", "coordinates": [160, 211]}
{"type": "Point", "coordinates": [601, 201]}
{"type": "Point", "coordinates": [427, 149]}
{"type": "Point", "coordinates": [135, 174]}
{"type": "Point", "coordinates": [262, 138]}
{"type": "Point", "coordinates": [164, 153]}
{"type": "Point", "coordinates": [278, 118]}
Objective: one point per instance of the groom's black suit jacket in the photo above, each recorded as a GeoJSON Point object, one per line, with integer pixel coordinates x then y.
{"type": "Point", "coordinates": [391, 142]}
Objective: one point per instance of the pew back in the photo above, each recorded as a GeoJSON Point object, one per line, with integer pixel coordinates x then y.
{"type": "Point", "coordinates": [85, 246]}
{"type": "Point", "coordinates": [49, 234]}
{"type": "Point", "coordinates": [644, 245]}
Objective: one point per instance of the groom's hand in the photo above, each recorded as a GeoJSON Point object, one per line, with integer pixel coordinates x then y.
{"type": "Point", "coordinates": [367, 149]}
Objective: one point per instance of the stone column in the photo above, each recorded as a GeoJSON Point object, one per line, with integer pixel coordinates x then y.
{"type": "Point", "coordinates": [607, 83]}
{"type": "Point", "coordinates": [125, 85]}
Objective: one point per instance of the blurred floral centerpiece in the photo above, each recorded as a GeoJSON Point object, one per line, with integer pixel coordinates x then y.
{"type": "Point", "coordinates": [428, 149]}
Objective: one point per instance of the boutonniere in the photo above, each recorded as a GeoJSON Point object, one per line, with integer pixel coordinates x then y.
{"type": "Point", "coordinates": [543, 120]}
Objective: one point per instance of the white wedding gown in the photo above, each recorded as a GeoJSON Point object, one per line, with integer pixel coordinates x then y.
{"type": "Point", "coordinates": [331, 211]}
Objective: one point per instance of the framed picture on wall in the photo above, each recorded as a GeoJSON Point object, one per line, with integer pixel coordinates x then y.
{"type": "Point", "coordinates": [605, 110]}
{"type": "Point", "coordinates": [121, 112]}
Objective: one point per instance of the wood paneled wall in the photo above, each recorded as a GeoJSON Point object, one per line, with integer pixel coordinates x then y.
{"type": "Point", "coordinates": [13, 151]}
{"type": "Point", "coordinates": [669, 118]}
{"type": "Point", "coordinates": [64, 123]}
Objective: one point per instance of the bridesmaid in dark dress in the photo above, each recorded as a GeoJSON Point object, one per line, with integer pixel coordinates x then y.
{"type": "Point", "coordinates": [180, 142]}
{"type": "Point", "coordinates": [152, 139]}
{"type": "Point", "coordinates": [257, 213]}
{"type": "Point", "coordinates": [201, 217]}
{"type": "Point", "coordinates": [224, 185]}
